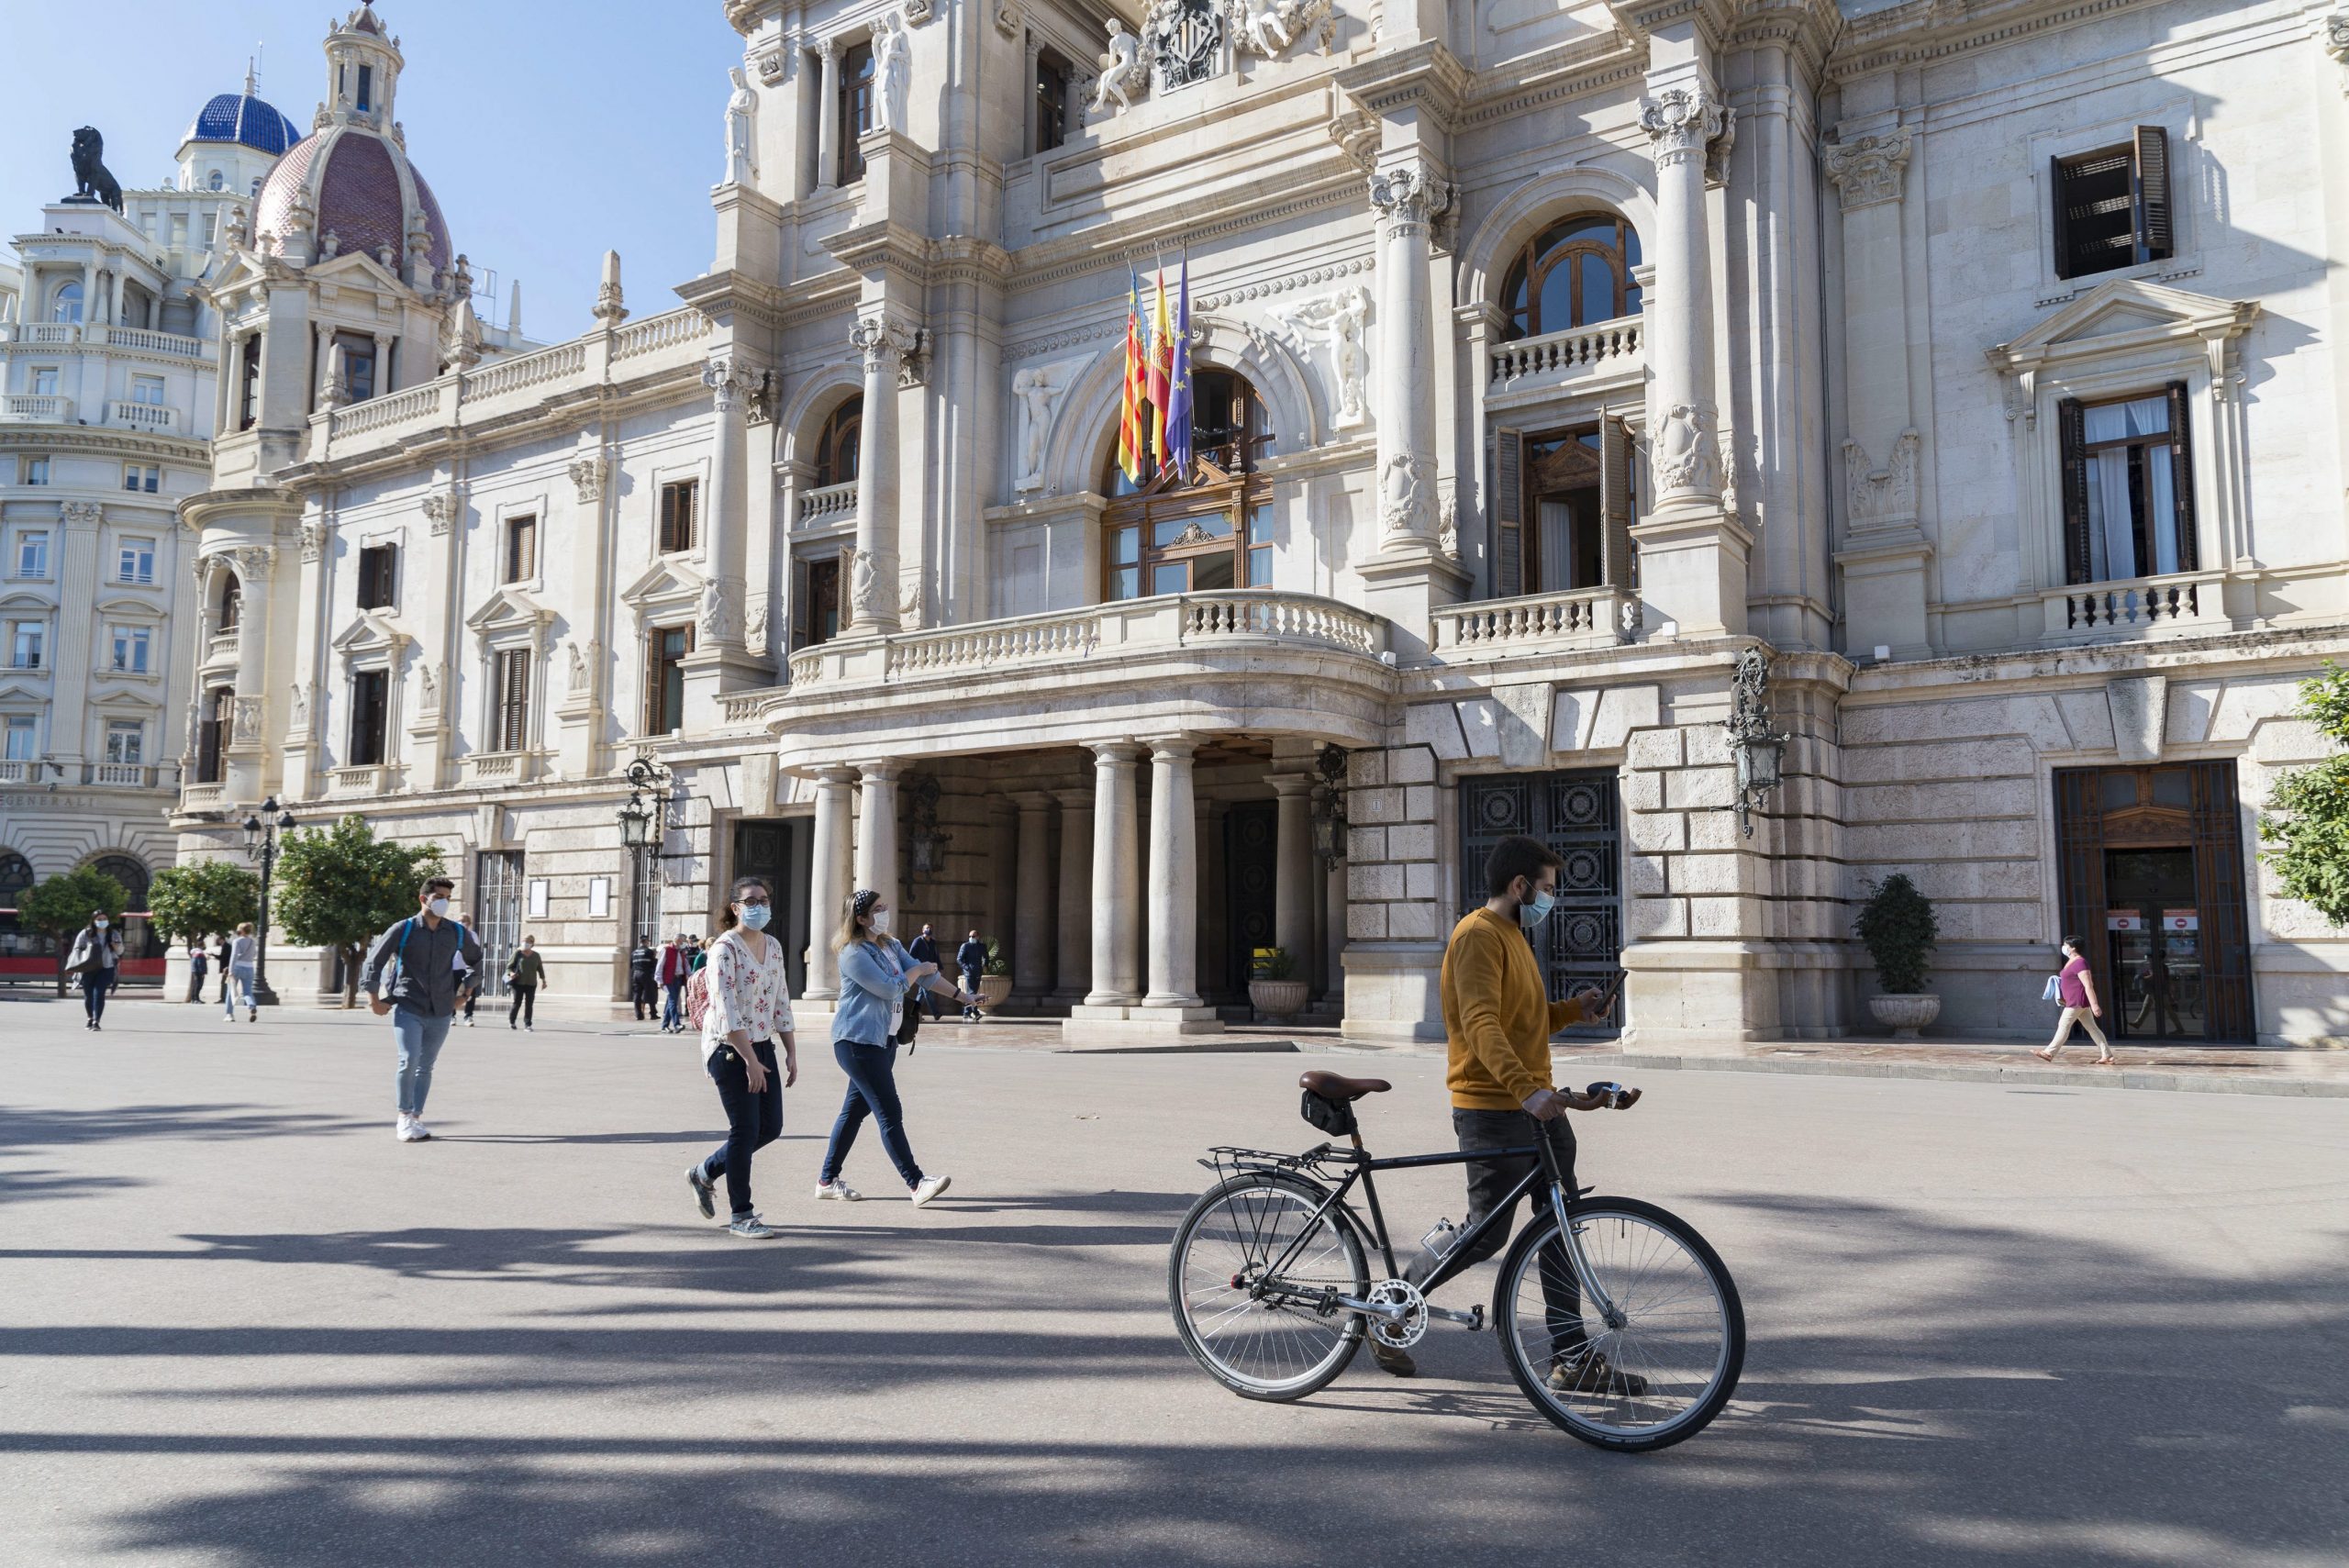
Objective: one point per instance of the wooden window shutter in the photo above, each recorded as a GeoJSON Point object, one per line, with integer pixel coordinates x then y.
{"type": "Point", "coordinates": [802, 623]}
{"type": "Point", "coordinates": [2059, 199]}
{"type": "Point", "coordinates": [2154, 226]}
{"type": "Point", "coordinates": [1509, 514]}
{"type": "Point", "coordinates": [2181, 478]}
{"type": "Point", "coordinates": [513, 699]}
{"type": "Point", "coordinates": [1615, 500]}
{"type": "Point", "coordinates": [2069, 424]}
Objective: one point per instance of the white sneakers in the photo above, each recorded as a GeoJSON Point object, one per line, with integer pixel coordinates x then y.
{"type": "Point", "coordinates": [839, 1190]}
{"type": "Point", "coordinates": [408, 1129]}
{"type": "Point", "coordinates": [925, 1189]}
{"type": "Point", "coordinates": [929, 1187]}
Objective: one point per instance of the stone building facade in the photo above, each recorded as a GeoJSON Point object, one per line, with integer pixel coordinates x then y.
{"type": "Point", "coordinates": [1973, 364]}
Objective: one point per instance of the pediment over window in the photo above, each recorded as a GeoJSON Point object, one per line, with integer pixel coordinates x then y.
{"type": "Point", "coordinates": [120, 700]}
{"type": "Point", "coordinates": [666, 583]}
{"type": "Point", "coordinates": [143, 610]}
{"type": "Point", "coordinates": [510, 610]}
{"type": "Point", "coordinates": [2124, 315]}
{"type": "Point", "coordinates": [370, 634]}
{"type": "Point", "coordinates": [25, 599]}
{"type": "Point", "coordinates": [12, 690]}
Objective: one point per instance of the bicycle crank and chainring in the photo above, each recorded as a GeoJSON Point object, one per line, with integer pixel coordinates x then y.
{"type": "Point", "coordinates": [1405, 1321]}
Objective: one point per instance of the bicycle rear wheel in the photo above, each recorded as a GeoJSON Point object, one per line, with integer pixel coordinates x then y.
{"type": "Point", "coordinates": [1261, 1335]}
{"type": "Point", "coordinates": [1669, 1365]}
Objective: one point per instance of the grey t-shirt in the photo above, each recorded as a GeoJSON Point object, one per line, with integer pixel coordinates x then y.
{"type": "Point", "coordinates": [428, 972]}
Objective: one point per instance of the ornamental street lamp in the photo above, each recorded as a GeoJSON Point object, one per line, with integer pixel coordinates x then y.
{"type": "Point", "coordinates": [1329, 803]}
{"type": "Point", "coordinates": [642, 820]}
{"type": "Point", "coordinates": [261, 847]}
{"type": "Point", "coordinates": [1760, 750]}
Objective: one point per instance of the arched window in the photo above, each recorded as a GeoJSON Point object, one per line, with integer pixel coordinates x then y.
{"type": "Point", "coordinates": [855, 109]}
{"type": "Point", "coordinates": [219, 182]}
{"type": "Point", "coordinates": [836, 445]}
{"type": "Point", "coordinates": [1207, 531]}
{"type": "Point", "coordinates": [126, 870]}
{"type": "Point", "coordinates": [16, 879]}
{"type": "Point", "coordinates": [233, 602]}
{"type": "Point", "coordinates": [68, 305]}
{"type": "Point", "coordinates": [1576, 272]}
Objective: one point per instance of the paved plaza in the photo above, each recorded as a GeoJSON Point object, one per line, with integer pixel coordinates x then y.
{"type": "Point", "coordinates": [241, 1325]}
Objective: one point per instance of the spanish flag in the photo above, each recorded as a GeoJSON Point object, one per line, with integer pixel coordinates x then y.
{"type": "Point", "coordinates": [1162, 369]}
{"type": "Point", "coordinates": [1133, 459]}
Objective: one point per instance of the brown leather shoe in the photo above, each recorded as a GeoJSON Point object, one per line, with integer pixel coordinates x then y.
{"type": "Point", "coordinates": [1390, 1360]}
{"type": "Point", "coordinates": [1591, 1373]}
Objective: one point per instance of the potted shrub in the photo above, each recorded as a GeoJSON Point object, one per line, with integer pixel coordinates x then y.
{"type": "Point", "coordinates": [1270, 990]}
{"type": "Point", "coordinates": [994, 978]}
{"type": "Point", "coordinates": [1897, 926]}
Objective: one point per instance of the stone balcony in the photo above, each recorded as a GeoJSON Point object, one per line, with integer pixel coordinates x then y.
{"type": "Point", "coordinates": [1535, 623]}
{"type": "Point", "coordinates": [2179, 604]}
{"type": "Point", "coordinates": [832, 504]}
{"type": "Point", "coordinates": [1602, 351]}
{"type": "Point", "coordinates": [36, 408]}
{"type": "Point", "coordinates": [155, 418]}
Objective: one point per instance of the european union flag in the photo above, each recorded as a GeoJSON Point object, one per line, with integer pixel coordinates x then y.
{"type": "Point", "coordinates": [1179, 396]}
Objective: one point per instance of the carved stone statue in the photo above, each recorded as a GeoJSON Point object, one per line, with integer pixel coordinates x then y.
{"type": "Point", "coordinates": [716, 615]}
{"type": "Point", "coordinates": [742, 131]}
{"type": "Point", "coordinates": [1687, 456]}
{"type": "Point", "coordinates": [1123, 76]}
{"type": "Point", "coordinates": [1341, 320]}
{"type": "Point", "coordinates": [1402, 493]}
{"type": "Point", "coordinates": [892, 72]}
{"type": "Point", "coordinates": [297, 717]}
{"type": "Point", "coordinates": [1270, 27]}
{"type": "Point", "coordinates": [432, 683]}
{"type": "Point", "coordinates": [92, 183]}
{"type": "Point", "coordinates": [578, 670]}
{"type": "Point", "coordinates": [1038, 389]}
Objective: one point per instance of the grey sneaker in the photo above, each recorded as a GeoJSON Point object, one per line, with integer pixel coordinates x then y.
{"type": "Point", "coordinates": [1390, 1360]}
{"type": "Point", "coordinates": [1591, 1373]}
{"type": "Point", "coordinates": [929, 1187]}
{"type": "Point", "coordinates": [750, 1227]}
{"type": "Point", "coordinates": [705, 1192]}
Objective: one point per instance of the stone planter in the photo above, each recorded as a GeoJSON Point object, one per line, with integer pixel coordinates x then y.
{"type": "Point", "coordinates": [1279, 1000]}
{"type": "Point", "coordinates": [993, 989]}
{"type": "Point", "coordinates": [1904, 1016]}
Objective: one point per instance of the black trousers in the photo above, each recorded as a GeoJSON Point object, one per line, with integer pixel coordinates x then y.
{"type": "Point", "coordinates": [1489, 1181]}
{"type": "Point", "coordinates": [639, 995]}
{"type": "Point", "coordinates": [752, 1121]}
{"type": "Point", "coordinates": [523, 1006]}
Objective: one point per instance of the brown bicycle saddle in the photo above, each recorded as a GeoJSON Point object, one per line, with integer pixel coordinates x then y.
{"type": "Point", "coordinates": [1336, 1086]}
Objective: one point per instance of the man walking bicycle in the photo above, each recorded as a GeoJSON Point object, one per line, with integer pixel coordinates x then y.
{"type": "Point", "coordinates": [421, 973]}
{"type": "Point", "coordinates": [1497, 1021]}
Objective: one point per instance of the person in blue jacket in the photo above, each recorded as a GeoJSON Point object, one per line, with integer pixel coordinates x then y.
{"type": "Point", "coordinates": [877, 975]}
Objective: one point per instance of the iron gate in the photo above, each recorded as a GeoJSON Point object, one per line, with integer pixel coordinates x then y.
{"type": "Point", "coordinates": [497, 915]}
{"type": "Point", "coordinates": [1578, 814]}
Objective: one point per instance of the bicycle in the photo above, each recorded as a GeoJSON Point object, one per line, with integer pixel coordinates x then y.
{"type": "Point", "coordinates": [1618, 1321]}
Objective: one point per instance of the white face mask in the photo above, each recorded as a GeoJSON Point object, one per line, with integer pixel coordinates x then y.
{"type": "Point", "coordinates": [101, 925]}
{"type": "Point", "coordinates": [881, 920]}
{"type": "Point", "coordinates": [438, 908]}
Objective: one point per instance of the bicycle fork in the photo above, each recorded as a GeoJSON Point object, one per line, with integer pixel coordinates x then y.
{"type": "Point", "coordinates": [1570, 1238]}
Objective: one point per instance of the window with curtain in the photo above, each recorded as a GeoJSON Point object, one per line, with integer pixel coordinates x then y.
{"type": "Point", "coordinates": [2127, 488]}
{"type": "Point", "coordinates": [1576, 272]}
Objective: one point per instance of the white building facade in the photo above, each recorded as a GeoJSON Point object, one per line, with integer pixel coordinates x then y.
{"type": "Point", "coordinates": [107, 356]}
{"type": "Point", "coordinates": [1974, 368]}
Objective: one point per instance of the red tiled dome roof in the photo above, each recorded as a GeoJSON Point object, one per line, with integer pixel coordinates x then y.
{"type": "Point", "coordinates": [353, 179]}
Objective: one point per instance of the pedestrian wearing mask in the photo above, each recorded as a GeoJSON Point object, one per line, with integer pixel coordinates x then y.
{"type": "Point", "coordinates": [642, 963]}
{"type": "Point", "coordinates": [472, 994]}
{"type": "Point", "coordinates": [2076, 990]}
{"type": "Point", "coordinates": [195, 968]}
{"type": "Point", "coordinates": [421, 973]}
{"type": "Point", "coordinates": [875, 976]}
{"type": "Point", "coordinates": [95, 957]}
{"type": "Point", "coordinates": [673, 969]}
{"type": "Point", "coordinates": [971, 958]}
{"type": "Point", "coordinates": [750, 1009]}
{"type": "Point", "coordinates": [243, 961]}
{"type": "Point", "coordinates": [220, 964]}
{"type": "Point", "coordinates": [524, 972]}
{"type": "Point", "coordinates": [925, 950]}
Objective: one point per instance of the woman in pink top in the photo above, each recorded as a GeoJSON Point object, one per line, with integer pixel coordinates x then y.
{"type": "Point", "coordinates": [2076, 988]}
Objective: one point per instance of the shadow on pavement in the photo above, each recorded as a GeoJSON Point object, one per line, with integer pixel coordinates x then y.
{"type": "Point", "coordinates": [22, 1128]}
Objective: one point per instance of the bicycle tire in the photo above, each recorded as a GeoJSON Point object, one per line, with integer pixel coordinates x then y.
{"type": "Point", "coordinates": [1570, 1409]}
{"type": "Point", "coordinates": [1308, 1351]}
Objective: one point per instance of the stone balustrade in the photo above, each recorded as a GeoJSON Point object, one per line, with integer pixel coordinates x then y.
{"type": "Point", "coordinates": [147, 341]}
{"type": "Point", "coordinates": [13, 771]}
{"type": "Point", "coordinates": [1556, 357]}
{"type": "Point", "coordinates": [119, 776]}
{"type": "Point", "coordinates": [221, 649]}
{"type": "Point", "coordinates": [36, 408]}
{"type": "Point", "coordinates": [370, 780]}
{"type": "Point", "coordinates": [45, 334]}
{"type": "Point", "coordinates": [832, 504]}
{"type": "Point", "coordinates": [1500, 628]}
{"type": "Point", "coordinates": [2179, 601]}
{"type": "Point", "coordinates": [155, 418]}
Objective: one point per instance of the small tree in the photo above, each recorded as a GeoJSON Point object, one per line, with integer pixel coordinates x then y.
{"type": "Point", "coordinates": [202, 897]}
{"type": "Point", "coordinates": [1897, 928]}
{"type": "Point", "coordinates": [2307, 817]}
{"type": "Point", "coordinates": [340, 887]}
{"type": "Point", "coordinates": [61, 906]}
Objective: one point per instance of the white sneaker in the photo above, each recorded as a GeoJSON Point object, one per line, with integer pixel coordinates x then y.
{"type": "Point", "coordinates": [838, 1189]}
{"type": "Point", "coordinates": [929, 1187]}
{"type": "Point", "coordinates": [417, 1131]}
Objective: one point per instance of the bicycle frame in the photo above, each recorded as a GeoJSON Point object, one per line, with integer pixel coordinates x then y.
{"type": "Point", "coordinates": [1545, 1172]}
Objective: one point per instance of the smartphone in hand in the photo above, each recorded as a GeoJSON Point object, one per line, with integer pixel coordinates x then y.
{"type": "Point", "coordinates": [1600, 997]}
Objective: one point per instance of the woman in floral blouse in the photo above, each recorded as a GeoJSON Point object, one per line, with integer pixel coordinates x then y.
{"type": "Point", "coordinates": [749, 1006]}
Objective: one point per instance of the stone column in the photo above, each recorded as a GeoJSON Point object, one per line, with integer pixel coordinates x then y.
{"type": "Point", "coordinates": [1174, 878]}
{"type": "Point", "coordinates": [1293, 871]}
{"type": "Point", "coordinates": [871, 595]}
{"type": "Point", "coordinates": [248, 751]}
{"type": "Point", "coordinates": [725, 521]}
{"type": "Point", "coordinates": [876, 831]}
{"type": "Point", "coordinates": [827, 881]}
{"type": "Point", "coordinates": [383, 362]}
{"type": "Point", "coordinates": [1117, 880]}
{"type": "Point", "coordinates": [1031, 936]}
{"type": "Point", "coordinates": [1074, 975]}
{"type": "Point", "coordinates": [828, 117]}
{"type": "Point", "coordinates": [1406, 199]}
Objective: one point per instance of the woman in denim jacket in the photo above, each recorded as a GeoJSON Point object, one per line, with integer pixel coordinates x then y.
{"type": "Point", "coordinates": [876, 974]}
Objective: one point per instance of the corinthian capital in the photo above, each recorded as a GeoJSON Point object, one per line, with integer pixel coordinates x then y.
{"type": "Point", "coordinates": [729, 381]}
{"type": "Point", "coordinates": [1408, 195]}
{"type": "Point", "coordinates": [887, 343]}
{"type": "Point", "coordinates": [1680, 121]}
{"type": "Point", "coordinates": [1867, 169]}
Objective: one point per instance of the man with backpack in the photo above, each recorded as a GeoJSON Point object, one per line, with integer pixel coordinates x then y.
{"type": "Point", "coordinates": [420, 972]}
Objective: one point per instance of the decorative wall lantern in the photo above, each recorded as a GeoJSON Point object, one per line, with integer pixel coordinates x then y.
{"type": "Point", "coordinates": [925, 845]}
{"type": "Point", "coordinates": [1759, 750]}
{"type": "Point", "coordinates": [642, 820]}
{"type": "Point", "coordinates": [1329, 803]}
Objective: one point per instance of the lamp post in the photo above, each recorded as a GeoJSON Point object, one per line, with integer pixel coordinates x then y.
{"type": "Point", "coordinates": [261, 847]}
{"type": "Point", "coordinates": [1329, 803]}
{"type": "Point", "coordinates": [1760, 750]}
{"type": "Point", "coordinates": [641, 821]}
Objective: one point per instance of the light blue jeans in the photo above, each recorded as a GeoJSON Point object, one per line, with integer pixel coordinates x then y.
{"type": "Point", "coordinates": [241, 984]}
{"type": "Point", "coordinates": [420, 1041]}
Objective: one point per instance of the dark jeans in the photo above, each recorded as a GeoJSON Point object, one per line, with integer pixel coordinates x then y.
{"type": "Point", "coordinates": [871, 1089]}
{"type": "Point", "coordinates": [472, 998]}
{"type": "Point", "coordinates": [94, 984]}
{"type": "Point", "coordinates": [971, 987]}
{"type": "Point", "coordinates": [752, 1121]}
{"type": "Point", "coordinates": [673, 1011]}
{"type": "Point", "coordinates": [524, 1006]}
{"type": "Point", "coordinates": [1489, 1181]}
{"type": "Point", "coordinates": [196, 985]}
{"type": "Point", "coordinates": [639, 996]}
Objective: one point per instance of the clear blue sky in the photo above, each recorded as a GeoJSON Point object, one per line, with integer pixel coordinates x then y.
{"type": "Point", "coordinates": [550, 131]}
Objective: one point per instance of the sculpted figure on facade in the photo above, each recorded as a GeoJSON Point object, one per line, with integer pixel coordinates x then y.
{"type": "Point", "coordinates": [1868, 169]}
{"type": "Point", "coordinates": [1269, 27]}
{"type": "Point", "coordinates": [1688, 453]}
{"type": "Point", "coordinates": [1343, 321]}
{"type": "Point", "coordinates": [297, 715]}
{"type": "Point", "coordinates": [314, 540]}
{"type": "Point", "coordinates": [755, 632]}
{"type": "Point", "coordinates": [428, 682]}
{"type": "Point", "coordinates": [741, 131]}
{"type": "Point", "coordinates": [716, 615]}
{"type": "Point", "coordinates": [245, 721]}
{"type": "Point", "coordinates": [1887, 494]}
{"type": "Point", "coordinates": [578, 661]}
{"type": "Point", "coordinates": [1408, 196]}
{"type": "Point", "coordinates": [587, 475]}
{"type": "Point", "coordinates": [1039, 390]}
{"type": "Point", "coordinates": [1402, 487]}
{"type": "Point", "coordinates": [1123, 76]}
{"type": "Point", "coordinates": [868, 590]}
{"type": "Point", "coordinates": [892, 72]}
{"type": "Point", "coordinates": [1680, 121]}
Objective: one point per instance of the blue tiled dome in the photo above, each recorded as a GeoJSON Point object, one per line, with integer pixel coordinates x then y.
{"type": "Point", "coordinates": [242, 118]}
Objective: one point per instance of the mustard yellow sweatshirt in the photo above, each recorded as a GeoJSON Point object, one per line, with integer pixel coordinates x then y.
{"type": "Point", "coordinates": [1498, 1020]}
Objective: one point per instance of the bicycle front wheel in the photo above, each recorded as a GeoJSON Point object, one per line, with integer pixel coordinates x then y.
{"type": "Point", "coordinates": [1255, 1265]}
{"type": "Point", "coordinates": [1664, 1368]}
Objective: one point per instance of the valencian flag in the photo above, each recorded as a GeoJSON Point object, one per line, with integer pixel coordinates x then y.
{"type": "Point", "coordinates": [1133, 457]}
{"type": "Point", "coordinates": [1175, 452]}
{"type": "Point", "coordinates": [1161, 348]}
